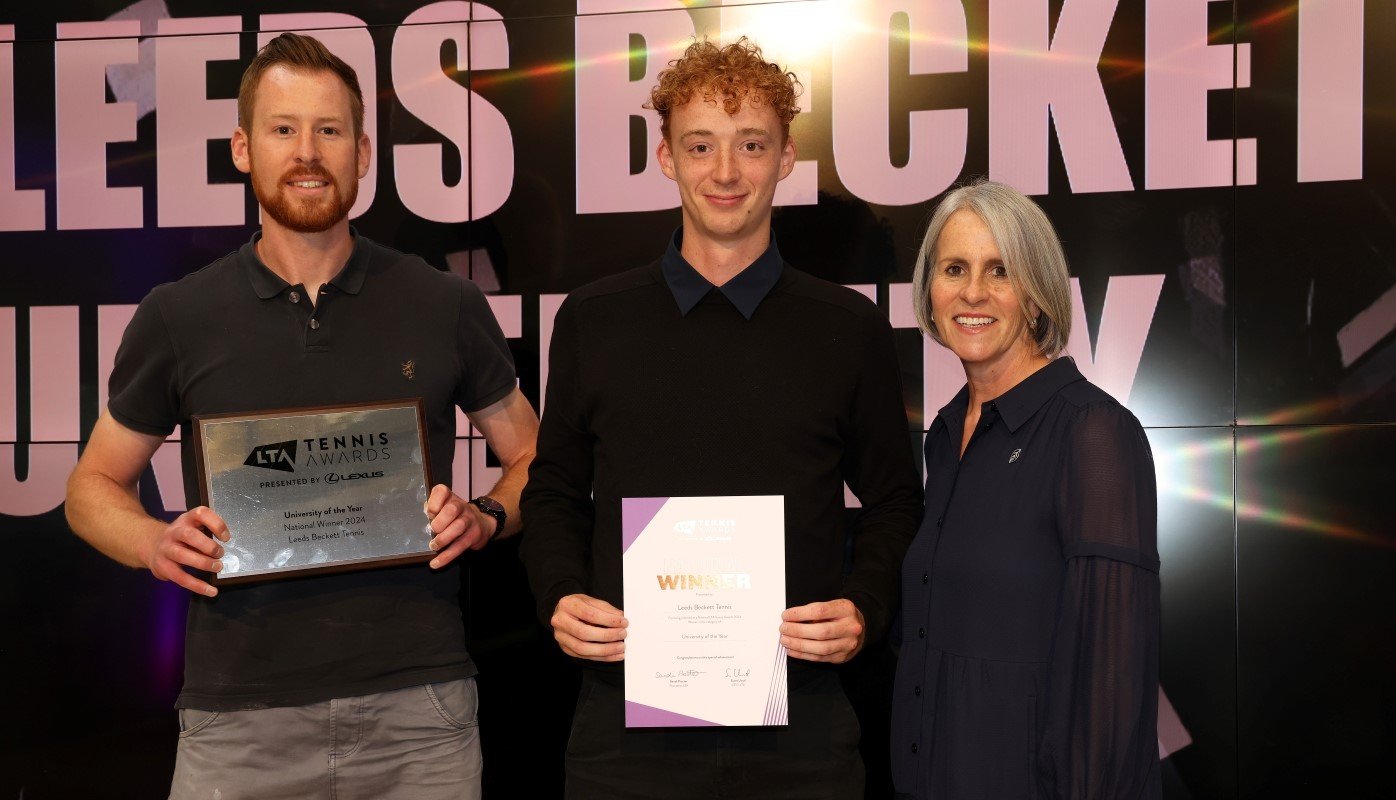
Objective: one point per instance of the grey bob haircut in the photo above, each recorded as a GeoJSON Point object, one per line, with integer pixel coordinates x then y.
{"type": "Point", "coordinates": [1032, 255]}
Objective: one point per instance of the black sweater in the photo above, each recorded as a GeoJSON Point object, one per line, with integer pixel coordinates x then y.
{"type": "Point", "coordinates": [644, 401]}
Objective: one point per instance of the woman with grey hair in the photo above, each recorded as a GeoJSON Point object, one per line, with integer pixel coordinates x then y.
{"type": "Point", "coordinates": [1030, 597]}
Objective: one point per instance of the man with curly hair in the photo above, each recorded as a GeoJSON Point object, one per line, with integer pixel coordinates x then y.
{"type": "Point", "coordinates": [721, 370]}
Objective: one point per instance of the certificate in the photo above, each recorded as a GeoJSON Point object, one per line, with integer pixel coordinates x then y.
{"type": "Point", "coordinates": [704, 591]}
{"type": "Point", "coordinates": [320, 489]}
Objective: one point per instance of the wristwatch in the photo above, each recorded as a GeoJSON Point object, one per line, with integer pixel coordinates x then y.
{"type": "Point", "coordinates": [492, 507]}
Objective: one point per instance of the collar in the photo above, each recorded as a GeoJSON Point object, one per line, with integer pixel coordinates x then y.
{"type": "Point", "coordinates": [1017, 405]}
{"type": "Point", "coordinates": [746, 290]}
{"type": "Point", "coordinates": [268, 284]}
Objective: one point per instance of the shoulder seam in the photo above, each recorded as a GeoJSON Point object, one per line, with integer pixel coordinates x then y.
{"type": "Point", "coordinates": [1082, 393]}
{"type": "Point", "coordinates": [592, 291]}
{"type": "Point", "coordinates": [851, 307]}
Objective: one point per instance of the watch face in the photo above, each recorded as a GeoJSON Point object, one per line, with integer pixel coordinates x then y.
{"type": "Point", "coordinates": [490, 504]}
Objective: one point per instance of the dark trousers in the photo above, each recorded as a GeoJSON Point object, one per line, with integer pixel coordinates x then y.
{"type": "Point", "coordinates": [815, 756]}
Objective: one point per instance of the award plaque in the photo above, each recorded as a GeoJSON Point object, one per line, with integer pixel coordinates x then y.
{"type": "Point", "coordinates": [320, 489]}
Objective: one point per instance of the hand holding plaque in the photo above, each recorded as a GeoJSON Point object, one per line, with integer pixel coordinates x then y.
{"type": "Point", "coordinates": [315, 490]}
{"type": "Point", "coordinates": [191, 540]}
{"type": "Point", "coordinates": [456, 526]}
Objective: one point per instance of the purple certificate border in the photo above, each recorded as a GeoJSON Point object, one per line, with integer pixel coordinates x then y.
{"type": "Point", "coordinates": [639, 715]}
{"type": "Point", "coordinates": [635, 514]}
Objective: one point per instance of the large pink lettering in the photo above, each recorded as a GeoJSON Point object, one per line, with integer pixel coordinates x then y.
{"type": "Point", "coordinates": [186, 119]}
{"type": "Point", "coordinates": [53, 404]}
{"type": "Point", "coordinates": [1030, 81]}
{"type": "Point", "coordinates": [86, 122]}
{"type": "Point", "coordinates": [19, 210]}
{"type": "Point", "coordinates": [487, 170]}
{"type": "Point", "coordinates": [1180, 68]}
{"type": "Point", "coordinates": [1330, 90]}
{"type": "Point", "coordinates": [1130, 301]}
{"type": "Point", "coordinates": [861, 86]}
{"type": "Point", "coordinates": [607, 99]}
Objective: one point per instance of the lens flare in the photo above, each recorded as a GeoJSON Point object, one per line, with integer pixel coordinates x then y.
{"type": "Point", "coordinates": [1190, 472]}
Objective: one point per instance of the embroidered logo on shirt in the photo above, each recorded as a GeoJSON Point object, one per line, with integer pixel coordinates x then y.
{"type": "Point", "coordinates": [409, 369]}
{"type": "Point", "coordinates": [1015, 455]}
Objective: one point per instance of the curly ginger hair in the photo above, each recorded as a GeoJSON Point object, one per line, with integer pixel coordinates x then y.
{"type": "Point", "coordinates": [728, 76]}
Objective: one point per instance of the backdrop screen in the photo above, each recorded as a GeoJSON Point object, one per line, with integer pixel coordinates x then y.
{"type": "Point", "coordinates": [1221, 175]}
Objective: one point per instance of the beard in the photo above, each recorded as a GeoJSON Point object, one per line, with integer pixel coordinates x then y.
{"type": "Point", "coordinates": [304, 215]}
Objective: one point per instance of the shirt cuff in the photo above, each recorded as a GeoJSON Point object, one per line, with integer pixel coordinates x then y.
{"type": "Point", "coordinates": [875, 616]}
{"type": "Point", "coordinates": [147, 428]}
{"type": "Point", "coordinates": [554, 596]}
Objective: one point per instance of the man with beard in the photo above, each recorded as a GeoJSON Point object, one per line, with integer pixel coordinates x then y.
{"type": "Point", "coordinates": [351, 684]}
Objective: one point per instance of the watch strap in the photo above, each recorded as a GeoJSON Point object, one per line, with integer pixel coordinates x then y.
{"type": "Point", "coordinates": [493, 508]}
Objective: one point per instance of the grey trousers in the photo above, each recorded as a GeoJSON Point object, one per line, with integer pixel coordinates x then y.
{"type": "Point", "coordinates": [419, 743]}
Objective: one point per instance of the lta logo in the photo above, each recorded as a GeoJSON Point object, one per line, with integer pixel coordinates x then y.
{"type": "Point", "coordinates": [280, 456]}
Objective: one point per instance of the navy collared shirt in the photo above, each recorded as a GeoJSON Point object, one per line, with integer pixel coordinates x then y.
{"type": "Point", "coordinates": [1030, 602]}
{"type": "Point", "coordinates": [745, 291]}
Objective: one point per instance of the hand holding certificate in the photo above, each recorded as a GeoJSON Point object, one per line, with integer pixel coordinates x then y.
{"type": "Point", "coordinates": [832, 631]}
{"type": "Point", "coordinates": [588, 627]}
{"type": "Point", "coordinates": [704, 591]}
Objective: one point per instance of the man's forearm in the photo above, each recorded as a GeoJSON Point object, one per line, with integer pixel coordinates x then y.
{"type": "Point", "coordinates": [510, 427]}
{"type": "Point", "coordinates": [507, 492]}
{"type": "Point", "coordinates": [109, 517]}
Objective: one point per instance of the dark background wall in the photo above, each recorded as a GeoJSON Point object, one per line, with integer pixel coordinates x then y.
{"type": "Point", "coordinates": [1239, 296]}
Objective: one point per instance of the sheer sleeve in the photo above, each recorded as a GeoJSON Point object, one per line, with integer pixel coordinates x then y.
{"type": "Point", "coordinates": [1099, 738]}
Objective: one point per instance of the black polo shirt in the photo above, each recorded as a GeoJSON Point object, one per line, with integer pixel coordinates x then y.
{"type": "Point", "coordinates": [236, 337]}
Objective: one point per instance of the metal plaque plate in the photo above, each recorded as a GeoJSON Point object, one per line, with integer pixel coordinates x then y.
{"type": "Point", "coordinates": [317, 489]}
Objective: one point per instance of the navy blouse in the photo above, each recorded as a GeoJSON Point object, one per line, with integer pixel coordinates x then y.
{"type": "Point", "coordinates": [1029, 662]}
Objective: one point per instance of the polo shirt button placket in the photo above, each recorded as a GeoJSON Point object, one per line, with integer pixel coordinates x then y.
{"type": "Point", "coordinates": [314, 322]}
